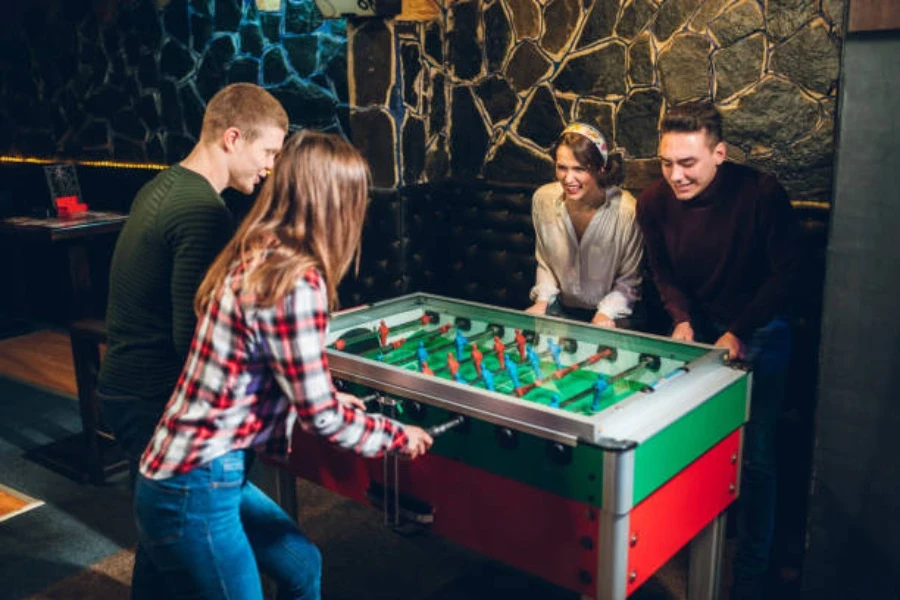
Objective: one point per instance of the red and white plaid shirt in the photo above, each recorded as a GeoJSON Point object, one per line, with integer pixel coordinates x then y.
{"type": "Point", "coordinates": [251, 372]}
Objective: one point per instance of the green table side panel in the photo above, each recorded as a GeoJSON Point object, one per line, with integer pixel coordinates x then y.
{"type": "Point", "coordinates": [662, 456]}
{"type": "Point", "coordinates": [532, 460]}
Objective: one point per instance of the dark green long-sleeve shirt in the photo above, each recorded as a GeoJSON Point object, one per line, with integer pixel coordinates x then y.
{"type": "Point", "coordinates": [176, 227]}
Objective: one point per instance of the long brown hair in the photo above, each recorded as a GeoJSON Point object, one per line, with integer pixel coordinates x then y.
{"type": "Point", "coordinates": [309, 214]}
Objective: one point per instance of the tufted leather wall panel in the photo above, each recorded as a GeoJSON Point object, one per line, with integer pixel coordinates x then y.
{"type": "Point", "coordinates": [472, 240]}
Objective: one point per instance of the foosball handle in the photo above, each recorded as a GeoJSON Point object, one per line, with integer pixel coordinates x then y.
{"type": "Point", "coordinates": [444, 427]}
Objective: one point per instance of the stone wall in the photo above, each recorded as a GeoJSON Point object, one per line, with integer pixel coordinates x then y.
{"type": "Point", "coordinates": [485, 90]}
{"type": "Point", "coordinates": [132, 83]}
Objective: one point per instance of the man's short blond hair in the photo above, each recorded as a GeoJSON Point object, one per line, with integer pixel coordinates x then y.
{"type": "Point", "coordinates": [245, 106]}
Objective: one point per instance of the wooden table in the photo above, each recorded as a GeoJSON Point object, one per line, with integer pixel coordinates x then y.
{"type": "Point", "coordinates": [75, 232]}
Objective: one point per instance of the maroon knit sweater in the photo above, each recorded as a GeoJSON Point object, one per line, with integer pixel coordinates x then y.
{"type": "Point", "coordinates": [732, 254]}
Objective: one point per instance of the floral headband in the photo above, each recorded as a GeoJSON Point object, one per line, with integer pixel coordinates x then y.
{"type": "Point", "coordinates": [592, 134]}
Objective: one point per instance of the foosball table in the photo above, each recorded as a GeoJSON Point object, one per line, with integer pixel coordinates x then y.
{"type": "Point", "coordinates": [582, 455]}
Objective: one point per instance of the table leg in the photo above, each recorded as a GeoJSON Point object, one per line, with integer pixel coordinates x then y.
{"type": "Point", "coordinates": [80, 273]}
{"type": "Point", "coordinates": [705, 567]}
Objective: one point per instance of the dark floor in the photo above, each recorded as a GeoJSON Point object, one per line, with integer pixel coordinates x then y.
{"type": "Point", "coordinates": [83, 524]}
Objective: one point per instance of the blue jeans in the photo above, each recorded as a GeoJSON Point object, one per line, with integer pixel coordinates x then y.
{"type": "Point", "coordinates": [209, 532]}
{"type": "Point", "coordinates": [768, 351]}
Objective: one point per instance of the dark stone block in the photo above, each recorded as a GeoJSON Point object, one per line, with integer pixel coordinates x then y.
{"type": "Point", "coordinates": [127, 123]}
{"type": "Point", "coordinates": [251, 13]}
{"type": "Point", "coordinates": [130, 150]}
{"type": "Point", "coordinates": [178, 146]}
{"type": "Point", "coordinates": [565, 107]}
{"type": "Point", "coordinates": [271, 26]}
{"type": "Point", "coordinates": [193, 108]}
{"type": "Point", "coordinates": [527, 66]}
{"type": "Point", "coordinates": [526, 16]}
{"type": "Point", "coordinates": [600, 22]}
{"type": "Point", "coordinates": [301, 17]}
{"type": "Point", "coordinates": [148, 110]}
{"type": "Point", "coordinates": [307, 105]}
{"type": "Point", "coordinates": [146, 24]}
{"type": "Point", "coordinates": [497, 37]}
{"type": "Point", "coordinates": [372, 49]}
{"type": "Point", "coordinates": [201, 31]}
{"type": "Point", "coordinates": [684, 68]}
{"type": "Point", "coordinates": [155, 151]}
{"type": "Point", "coordinates": [175, 60]}
{"type": "Point", "coordinates": [337, 27]}
{"type": "Point", "coordinates": [438, 113]}
{"type": "Point", "coordinates": [117, 74]}
{"type": "Point", "coordinates": [598, 73]}
{"type": "Point", "coordinates": [243, 69]}
{"type": "Point", "coordinates": [413, 149]}
{"type": "Point", "coordinates": [672, 16]}
{"type": "Point", "coordinates": [336, 70]}
{"type": "Point", "coordinates": [638, 121]}
{"type": "Point", "coordinates": [175, 21]}
{"type": "Point", "coordinates": [251, 39]}
{"type": "Point", "coordinates": [468, 137]}
{"type": "Point", "coordinates": [598, 114]}
{"type": "Point", "coordinates": [784, 17]}
{"type": "Point", "coordinates": [542, 121]}
{"type": "Point", "coordinates": [412, 66]}
{"type": "Point", "coordinates": [737, 22]}
{"type": "Point", "coordinates": [775, 114]}
{"type": "Point", "coordinates": [202, 6]}
{"type": "Point", "coordinates": [343, 118]}
{"type": "Point", "coordinates": [92, 135]}
{"type": "Point", "coordinates": [106, 101]}
{"type": "Point", "coordinates": [301, 50]}
{"type": "Point", "coordinates": [810, 58]}
{"type": "Point", "coordinates": [372, 132]}
{"type": "Point", "coordinates": [640, 59]}
{"type": "Point", "coordinates": [514, 164]}
{"type": "Point", "coordinates": [560, 19]}
{"type": "Point", "coordinates": [434, 46]}
{"type": "Point", "coordinates": [148, 73]}
{"type": "Point", "coordinates": [635, 18]}
{"type": "Point", "coordinates": [110, 39]}
{"type": "Point", "coordinates": [227, 15]}
{"type": "Point", "coordinates": [465, 51]}
{"type": "Point", "coordinates": [739, 66]}
{"type": "Point", "coordinates": [329, 46]}
{"type": "Point", "coordinates": [213, 70]}
{"type": "Point", "coordinates": [274, 69]}
{"type": "Point", "coordinates": [498, 97]}
{"type": "Point", "coordinates": [437, 163]}
{"type": "Point", "coordinates": [806, 170]}
{"type": "Point", "coordinates": [171, 106]}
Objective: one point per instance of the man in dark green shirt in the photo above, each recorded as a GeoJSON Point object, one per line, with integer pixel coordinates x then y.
{"type": "Point", "coordinates": [177, 225]}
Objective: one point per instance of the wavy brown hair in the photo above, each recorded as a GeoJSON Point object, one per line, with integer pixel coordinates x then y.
{"type": "Point", "coordinates": [309, 214]}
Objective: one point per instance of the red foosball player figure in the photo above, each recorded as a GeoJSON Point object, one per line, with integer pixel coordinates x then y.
{"type": "Point", "coordinates": [500, 348]}
{"type": "Point", "coordinates": [477, 357]}
{"type": "Point", "coordinates": [426, 369]}
{"type": "Point", "coordinates": [453, 366]}
{"type": "Point", "coordinates": [520, 344]}
{"type": "Point", "coordinates": [383, 332]}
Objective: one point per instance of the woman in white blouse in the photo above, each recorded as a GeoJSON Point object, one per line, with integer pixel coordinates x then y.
{"type": "Point", "coordinates": [589, 247]}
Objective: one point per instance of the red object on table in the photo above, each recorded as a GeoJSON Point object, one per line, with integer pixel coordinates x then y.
{"type": "Point", "coordinates": [67, 206]}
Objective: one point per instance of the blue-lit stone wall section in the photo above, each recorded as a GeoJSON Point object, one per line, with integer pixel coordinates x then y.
{"type": "Point", "coordinates": [132, 84]}
{"type": "Point", "coordinates": [490, 84]}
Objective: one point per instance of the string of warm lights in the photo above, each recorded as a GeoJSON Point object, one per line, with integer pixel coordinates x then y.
{"type": "Point", "coordinates": [113, 164]}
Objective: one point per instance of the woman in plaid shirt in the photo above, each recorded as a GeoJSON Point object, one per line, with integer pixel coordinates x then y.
{"type": "Point", "coordinates": [257, 363]}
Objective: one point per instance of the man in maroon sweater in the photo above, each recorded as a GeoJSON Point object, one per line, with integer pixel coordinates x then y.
{"type": "Point", "coordinates": [724, 247]}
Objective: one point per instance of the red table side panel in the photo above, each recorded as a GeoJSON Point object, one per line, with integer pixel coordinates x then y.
{"type": "Point", "coordinates": [669, 518]}
{"type": "Point", "coordinates": [533, 530]}
{"type": "Point", "coordinates": [315, 459]}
